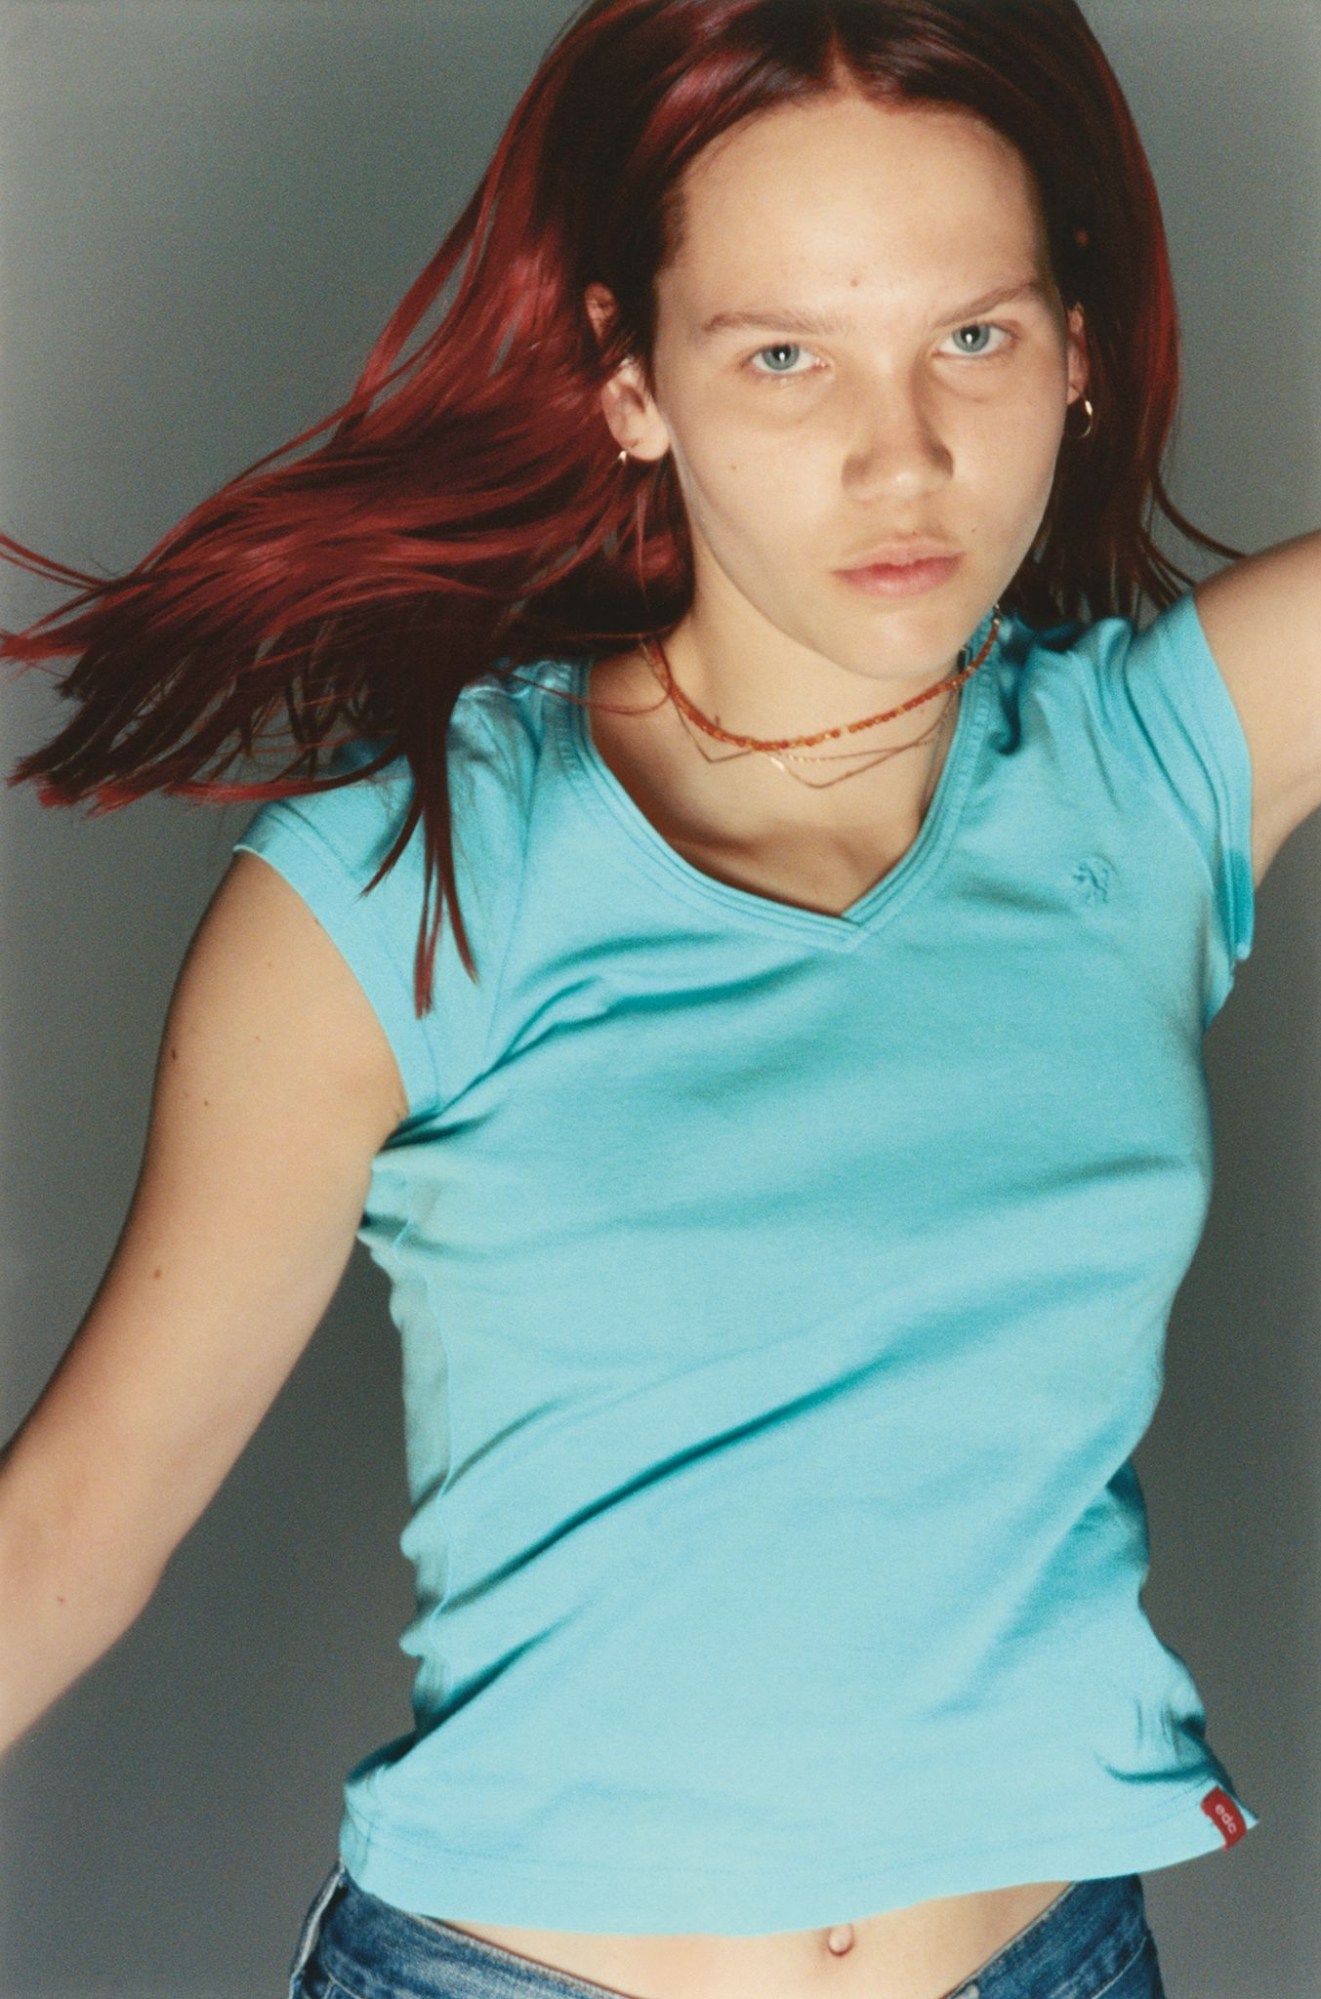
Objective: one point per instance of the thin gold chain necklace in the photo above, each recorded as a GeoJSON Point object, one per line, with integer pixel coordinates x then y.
{"type": "Point", "coordinates": [782, 758]}
{"type": "Point", "coordinates": [780, 753]}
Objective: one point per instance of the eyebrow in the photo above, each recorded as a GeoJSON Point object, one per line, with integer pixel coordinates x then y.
{"type": "Point", "coordinates": [785, 317]}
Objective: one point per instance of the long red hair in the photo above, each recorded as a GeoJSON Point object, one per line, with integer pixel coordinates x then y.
{"type": "Point", "coordinates": [467, 514]}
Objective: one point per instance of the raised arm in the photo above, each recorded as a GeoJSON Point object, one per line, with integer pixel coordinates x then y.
{"type": "Point", "coordinates": [275, 1086]}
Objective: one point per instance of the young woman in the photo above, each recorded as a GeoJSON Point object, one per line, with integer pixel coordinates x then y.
{"type": "Point", "coordinates": [785, 1157]}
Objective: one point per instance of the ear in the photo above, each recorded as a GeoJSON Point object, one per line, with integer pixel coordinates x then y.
{"type": "Point", "coordinates": [1080, 372]}
{"type": "Point", "coordinates": [628, 407]}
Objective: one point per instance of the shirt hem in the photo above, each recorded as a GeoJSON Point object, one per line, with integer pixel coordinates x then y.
{"type": "Point", "coordinates": [451, 1885]}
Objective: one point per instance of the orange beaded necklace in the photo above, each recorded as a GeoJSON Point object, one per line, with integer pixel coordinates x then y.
{"type": "Point", "coordinates": [777, 749]}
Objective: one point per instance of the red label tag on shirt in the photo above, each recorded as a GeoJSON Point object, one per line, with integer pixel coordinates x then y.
{"type": "Point", "coordinates": [1225, 1815]}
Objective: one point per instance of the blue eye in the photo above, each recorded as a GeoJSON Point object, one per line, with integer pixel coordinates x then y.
{"type": "Point", "coordinates": [779, 347]}
{"type": "Point", "coordinates": [976, 326]}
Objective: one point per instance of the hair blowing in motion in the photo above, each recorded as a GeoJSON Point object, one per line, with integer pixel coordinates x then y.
{"type": "Point", "coordinates": [464, 511]}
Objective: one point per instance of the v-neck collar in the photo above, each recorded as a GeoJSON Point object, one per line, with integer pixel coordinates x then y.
{"type": "Point", "coordinates": [614, 806]}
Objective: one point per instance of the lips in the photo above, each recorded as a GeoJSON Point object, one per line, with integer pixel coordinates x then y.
{"type": "Point", "coordinates": [907, 579]}
{"type": "Point", "coordinates": [901, 554]}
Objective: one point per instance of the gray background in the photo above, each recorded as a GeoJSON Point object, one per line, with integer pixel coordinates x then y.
{"type": "Point", "coordinates": [207, 210]}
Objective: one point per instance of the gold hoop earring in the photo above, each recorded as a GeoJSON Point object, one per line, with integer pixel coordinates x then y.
{"type": "Point", "coordinates": [1079, 436]}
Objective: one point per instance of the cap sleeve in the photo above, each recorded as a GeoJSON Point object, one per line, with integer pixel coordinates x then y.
{"type": "Point", "coordinates": [1171, 709]}
{"type": "Point", "coordinates": [328, 844]}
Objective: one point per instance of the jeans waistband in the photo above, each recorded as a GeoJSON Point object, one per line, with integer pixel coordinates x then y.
{"type": "Point", "coordinates": [1078, 1947]}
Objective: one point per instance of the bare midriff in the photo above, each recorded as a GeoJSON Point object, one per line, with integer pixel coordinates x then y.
{"type": "Point", "coordinates": [926, 1951]}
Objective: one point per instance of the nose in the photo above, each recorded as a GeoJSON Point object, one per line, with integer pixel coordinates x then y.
{"type": "Point", "coordinates": [896, 444]}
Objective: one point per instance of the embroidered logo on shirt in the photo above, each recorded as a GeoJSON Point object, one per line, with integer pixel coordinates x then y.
{"type": "Point", "coordinates": [1225, 1815]}
{"type": "Point", "coordinates": [1092, 878]}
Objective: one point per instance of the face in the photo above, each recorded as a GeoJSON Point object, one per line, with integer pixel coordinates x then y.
{"type": "Point", "coordinates": [830, 376]}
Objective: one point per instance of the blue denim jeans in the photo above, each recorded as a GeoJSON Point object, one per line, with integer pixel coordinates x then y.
{"type": "Point", "coordinates": [1092, 1940]}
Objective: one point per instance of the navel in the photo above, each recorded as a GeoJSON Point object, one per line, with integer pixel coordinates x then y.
{"type": "Point", "coordinates": [841, 1938]}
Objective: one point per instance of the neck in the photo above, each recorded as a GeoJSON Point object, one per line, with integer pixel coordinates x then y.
{"type": "Point", "coordinates": [704, 783]}
{"type": "Point", "coordinates": [783, 701]}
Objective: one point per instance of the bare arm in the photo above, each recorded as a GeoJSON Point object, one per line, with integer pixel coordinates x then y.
{"type": "Point", "coordinates": [275, 1086]}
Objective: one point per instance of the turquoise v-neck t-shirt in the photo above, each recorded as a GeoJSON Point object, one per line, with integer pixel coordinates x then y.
{"type": "Point", "coordinates": [782, 1297]}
